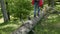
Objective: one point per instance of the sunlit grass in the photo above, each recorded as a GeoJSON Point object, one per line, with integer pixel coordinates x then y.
{"type": "Point", "coordinates": [1, 20]}
{"type": "Point", "coordinates": [52, 16]}
{"type": "Point", "coordinates": [58, 5]}
{"type": "Point", "coordinates": [49, 26]}
{"type": "Point", "coordinates": [10, 26]}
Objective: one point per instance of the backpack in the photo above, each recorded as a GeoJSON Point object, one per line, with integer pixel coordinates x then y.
{"type": "Point", "coordinates": [41, 3]}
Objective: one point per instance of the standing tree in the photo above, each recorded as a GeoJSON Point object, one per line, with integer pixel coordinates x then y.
{"type": "Point", "coordinates": [51, 3]}
{"type": "Point", "coordinates": [4, 11]}
{"type": "Point", "coordinates": [7, 10]}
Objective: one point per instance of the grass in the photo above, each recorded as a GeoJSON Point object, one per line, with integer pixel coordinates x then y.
{"type": "Point", "coordinates": [7, 28]}
{"type": "Point", "coordinates": [49, 25]}
{"type": "Point", "coordinates": [1, 20]}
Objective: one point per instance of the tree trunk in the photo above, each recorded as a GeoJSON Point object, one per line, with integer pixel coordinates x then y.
{"type": "Point", "coordinates": [7, 10]}
{"type": "Point", "coordinates": [4, 11]}
{"type": "Point", "coordinates": [51, 3]}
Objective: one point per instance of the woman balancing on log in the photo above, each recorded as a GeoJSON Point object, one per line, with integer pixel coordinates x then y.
{"type": "Point", "coordinates": [37, 4]}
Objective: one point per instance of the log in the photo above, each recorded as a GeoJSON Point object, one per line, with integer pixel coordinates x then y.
{"type": "Point", "coordinates": [28, 25]}
{"type": "Point", "coordinates": [57, 2]}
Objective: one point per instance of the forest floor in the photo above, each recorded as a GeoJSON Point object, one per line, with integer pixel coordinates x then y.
{"type": "Point", "coordinates": [51, 25]}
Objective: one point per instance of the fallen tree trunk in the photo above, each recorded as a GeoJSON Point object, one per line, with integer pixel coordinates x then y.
{"type": "Point", "coordinates": [28, 26]}
{"type": "Point", "coordinates": [57, 3]}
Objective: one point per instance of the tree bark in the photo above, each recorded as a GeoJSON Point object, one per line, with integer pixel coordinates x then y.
{"type": "Point", "coordinates": [51, 3]}
{"type": "Point", "coordinates": [7, 10]}
{"type": "Point", "coordinates": [4, 11]}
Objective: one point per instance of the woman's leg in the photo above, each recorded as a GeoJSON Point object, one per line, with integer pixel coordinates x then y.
{"type": "Point", "coordinates": [35, 7]}
{"type": "Point", "coordinates": [38, 10]}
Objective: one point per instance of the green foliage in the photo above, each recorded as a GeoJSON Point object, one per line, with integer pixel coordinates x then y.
{"type": "Point", "coordinates": [19, 7]}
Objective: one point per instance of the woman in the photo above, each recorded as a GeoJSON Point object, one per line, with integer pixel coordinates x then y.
{"type": "Point", "coordinates": [37, 4]}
